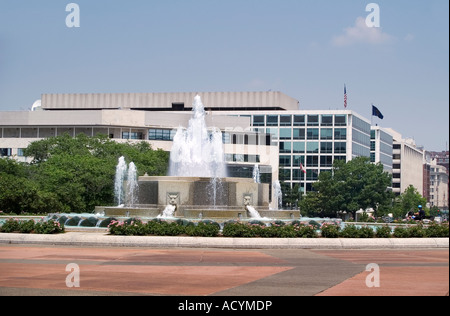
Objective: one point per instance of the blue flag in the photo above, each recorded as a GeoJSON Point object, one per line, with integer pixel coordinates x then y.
{"type": "Point", "coordinates": [376, 112]}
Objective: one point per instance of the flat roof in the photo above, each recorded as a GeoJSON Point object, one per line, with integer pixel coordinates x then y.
{"type": "Point", "coordinates": [177, 101]}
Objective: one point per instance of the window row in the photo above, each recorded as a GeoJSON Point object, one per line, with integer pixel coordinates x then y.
{"type": "Point", "coordinates": [300, 120]}
{"type": "Point", "coordinates": [313, 147]}
{"type": "Point", "coordinates": [311, 161]}
{"type": "Point", "coordinates": [309, 133]}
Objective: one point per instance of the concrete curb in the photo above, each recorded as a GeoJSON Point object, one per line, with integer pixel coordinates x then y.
{"type": "Point", "coordinates": [105, 240]}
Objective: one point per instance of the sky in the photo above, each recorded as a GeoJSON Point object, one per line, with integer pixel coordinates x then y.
{"type": "Point", "coordinates": [307, 49]}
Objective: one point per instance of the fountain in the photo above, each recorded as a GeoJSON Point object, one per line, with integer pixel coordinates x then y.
{"type": "Point", "coordinates": [278, 194]}
{"type": "Point", "coordinates": [197, 186]}
{"type": "Point", "coordinates": [132, 185]}
{"type": "Point", "coordinates": [121, 171]}
{"type": "Point", "coordinates": [256, 174]}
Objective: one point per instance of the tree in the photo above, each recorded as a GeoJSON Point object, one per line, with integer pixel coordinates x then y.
{"type": "Point", "coordinates": [408, 201]}
{"type": "Point", "coordinates": [351, 186]}
{"type": "Point", "coordinates": [70, 174]}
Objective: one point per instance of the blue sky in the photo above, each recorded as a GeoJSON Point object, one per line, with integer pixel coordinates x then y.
{"type": "Point", "coordinates": [306, 49]}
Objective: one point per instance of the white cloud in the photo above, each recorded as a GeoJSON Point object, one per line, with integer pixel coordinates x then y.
{"type": "Point", "coordinates": [361, 33]}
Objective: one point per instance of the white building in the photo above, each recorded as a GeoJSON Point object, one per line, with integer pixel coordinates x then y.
{"type": "Point", "coordinates": [438, 186]}
{"type": "Point", "coordinates": [265, 128]}
{"type": "Point", "coordinates": [407, 164]}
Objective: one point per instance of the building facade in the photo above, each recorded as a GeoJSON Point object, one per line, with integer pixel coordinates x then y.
{"type": "Point", "coordinates": [259, 128]}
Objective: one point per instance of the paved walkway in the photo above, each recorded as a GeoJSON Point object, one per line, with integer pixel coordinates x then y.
{"type": "Point", "coordinates": [116, 269]}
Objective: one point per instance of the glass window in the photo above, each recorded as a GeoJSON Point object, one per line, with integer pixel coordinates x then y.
{"type": "Point", "coordinates": [326, 161]}
{"type": "Point", "coordinates": [285, 174]}
{"type": "Point", "coordinates": [299, 133]}
{"type": "Point", "coordinates": [273, 131]}
{"type": "Point", "coordinates": [285, 133]}
{"type": "Point", "coordinates": [312, 148]}
{"type": "Point", "coordinates": [285, 147]}
{"type": "Point", "coordinates": [372, 145]}
{"type": "Point", "coordinates": [298, 175]}
{"type": "Point", "coordinates": [298, 147]}
{"type": "Point", "coordinates": [326, 148]}
{"type": "Point", "coordinates": [285, 161]}
{"type": "Point", "coordinates": [327, 120]}
{"type": "Point", "coordinates": [286, 120]}
{"type": "Point", "coordinates": [326, 133]}
{"type": "Point", "coordinates": [340, 134]}
{"type": "Point", "coordinates": [340, 120]}
{"type": "Point", "coordinates": [297, 160]}
{"type": "Point", "coordinates": [258, 120]}
{"type": "Point", "coordinates": [20, 152]}
{"type": "Point", "coordinates": [313, 133]}
{"type": "Point", "coordinates": [5, 152]}
{"type": "Point", "coordinates": [344, 158]}
{"type": "Point", "coordinates": [272, 120]}
{"type": "Point", "coordinates": [313, 120]}
{"type": "Point", "coordinates": [340, 148]}
{"type": "Point", "coordinates": [312, 161]}
{"type": "Point", "coordinates": [299, 120]}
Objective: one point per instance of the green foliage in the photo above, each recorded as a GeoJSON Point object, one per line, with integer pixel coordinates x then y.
{"type": "Point", "coordinates": [71, 174]}
{"type": "Point", "coordinates": [383, 232]}
{"type": "Point", "coordinates": [163, 228]}
{"type": "Point", "coordinates": [14, 225]}
{"type": "Point", "coordinates": [330, 230]}
{"type": "Point", "coordinates": [357, 184]}
{"type": "Point", "coordinates": [408, 201]}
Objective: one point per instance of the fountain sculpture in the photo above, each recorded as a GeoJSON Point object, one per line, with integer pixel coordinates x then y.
{"type": "Point", "coordinates": [197, 186]}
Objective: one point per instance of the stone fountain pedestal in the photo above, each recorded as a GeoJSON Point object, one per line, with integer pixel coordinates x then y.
{"type": "Point", "coordinates": [200, 198]}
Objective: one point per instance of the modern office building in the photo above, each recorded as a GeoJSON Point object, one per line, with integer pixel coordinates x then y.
{"type": "Point", "coordinates": [381, 147]}
{"type": "Point", "coordinates": [264, 128]}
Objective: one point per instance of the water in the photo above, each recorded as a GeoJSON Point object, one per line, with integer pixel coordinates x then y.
{"type": "Point", "coordinates": [169, 212]}
{"type": "Point", "coordinates": [121, 172]}
{"type": "Point", "coordinates": [197, 151]}
{"type": "Point", "coordinates": [253, 212]}
{"type": "Point", "coordinates": [278, 194]}
{"type": "Point", "coordinates": [256, 174]}
{"type": "Point", "coordinates": [126, 195]}
{"type": "Point", "coordinates": [132, 185]}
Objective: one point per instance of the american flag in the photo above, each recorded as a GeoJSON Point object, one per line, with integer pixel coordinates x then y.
{"type": "Point", "coordinates": [345, 96]}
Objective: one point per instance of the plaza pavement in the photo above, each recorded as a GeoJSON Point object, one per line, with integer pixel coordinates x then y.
{"type": "Point", "coordinates": [183, 266]}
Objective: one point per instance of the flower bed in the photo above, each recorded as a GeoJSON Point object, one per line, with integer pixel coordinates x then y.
{"type": "Point", "coordinates": [14, 225]}
{"type": "Point", "coordinates": [256, 229]}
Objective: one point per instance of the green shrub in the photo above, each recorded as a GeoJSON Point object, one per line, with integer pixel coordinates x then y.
{"type": "Point", "coordinates": [437, 231]}
{"type": "Point", "coordinates": [10, 226]}
{"type": "Point", "coordinates": [330, 230]}
{"type": "Point", "coordinates": [349, 231]}
{"type": "Point", "coordinates": [401, 232]}
{"type": "Point", "coordinates": [366, 232]}
{"type": "Point", "coordinates": [49, 227]}
{"type": "Point", "coordinates": [204, 229]}
{"type": "Point", "coordinates": [27, 227]}
{"type": "Point", "coordinates": [105, 223]}
{"type": "Point", "coordinates": [305, 231]}
{"type": "Point", "coordinates": [383, 232]}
